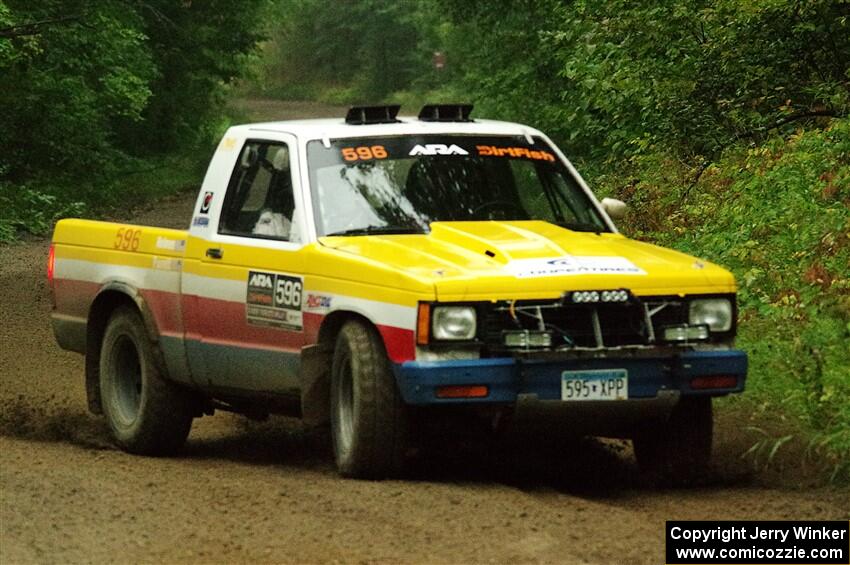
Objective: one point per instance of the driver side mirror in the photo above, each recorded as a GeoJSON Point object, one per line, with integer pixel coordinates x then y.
{"type": "Point", "coordinates": [616, 209]}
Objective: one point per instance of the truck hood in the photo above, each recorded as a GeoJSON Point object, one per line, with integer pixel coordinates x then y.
{"type": "Point", "coordinates": [533, 259]}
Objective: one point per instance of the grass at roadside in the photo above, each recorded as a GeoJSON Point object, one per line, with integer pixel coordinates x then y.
{"type": "Point", "coordinates": [34, 207]}
{"type": "Point", "coordinates": [778, 215]}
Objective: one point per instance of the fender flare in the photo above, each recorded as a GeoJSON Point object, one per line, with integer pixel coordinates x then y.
{"type": "Point", "coordinates": [316, 366]}
{"type": "Point", "coordinates": [137, 298]}
{"type": "Point", "coordinates": [111, 295]}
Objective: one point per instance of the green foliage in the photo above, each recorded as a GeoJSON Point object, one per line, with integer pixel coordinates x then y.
{"type": "Point", "coordinates": [67, 84]}
{"type": "Point", "coordinates": [504, 63]}
{"type": "Point", "coordinates": [610, 78]}
{"type": "Point", "coordinates": [35, 206]}
{"type": "Point", "coordinates": [28, 209]}
{"type": "Point", "coordinates": [349, 52]}
{"type": "Point", "coordinates": [198, 49]}
{"type": "Point", "coordinates": [90, 87]}
{"type": "Point", "coordinates": [764, 450]}
{"type": "Point", "coordinates": [777, 215]}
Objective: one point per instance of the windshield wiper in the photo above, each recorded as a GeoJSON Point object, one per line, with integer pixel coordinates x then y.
{"type": "Point", "coordinates": [581, 226]}
{"type": "Point", "coordinates": [379, 230]}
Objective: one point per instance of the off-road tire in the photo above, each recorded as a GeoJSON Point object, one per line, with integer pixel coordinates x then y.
{"type": "Point", "coordinates": [678, 451]}
{"type": "Point", "coordinates": [369, 420]}
{"type": "Point", "coordinates": [146, 413]}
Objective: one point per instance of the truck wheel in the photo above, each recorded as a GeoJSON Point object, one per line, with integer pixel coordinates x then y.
{"type": "Point", "coordinates": [678, 451]}
{"type": "Point", "coordinates": [368, 416]}
{"type": "Point", "coordinates": [146, 413]}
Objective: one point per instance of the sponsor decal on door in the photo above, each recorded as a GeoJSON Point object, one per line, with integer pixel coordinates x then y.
{"type": "Point", "coordinates": [207, 202]}
{"type": "Point", "coordinates": [275, 300]}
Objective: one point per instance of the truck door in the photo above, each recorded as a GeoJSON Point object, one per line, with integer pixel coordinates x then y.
{"type": "Point", "coordinates": [243, 278]}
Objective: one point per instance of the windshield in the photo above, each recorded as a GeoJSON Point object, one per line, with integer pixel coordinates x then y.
{"type": "Point", "coordinates": [402, 184]}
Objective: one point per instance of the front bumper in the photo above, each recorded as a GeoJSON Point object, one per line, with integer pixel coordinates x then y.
{"type": "Point", "coordinates": [508, 378]}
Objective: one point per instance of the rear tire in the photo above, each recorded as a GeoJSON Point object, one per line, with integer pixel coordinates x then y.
{"type": "Point", "coordinates": [146, 413]}
{"type": "Point", "coordinates": [678, 452]}
{"type": "Point", "coordinates": [368, 417]}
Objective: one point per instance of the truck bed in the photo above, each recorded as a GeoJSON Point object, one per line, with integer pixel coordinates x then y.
{"type": "Point", "coordinates": [91, 256]}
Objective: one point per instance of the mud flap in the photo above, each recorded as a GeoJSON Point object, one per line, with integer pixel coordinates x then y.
{"type": "Point", "coordinates": [93, 382]}
{"type": "Point", "coordinates": [315, 384]}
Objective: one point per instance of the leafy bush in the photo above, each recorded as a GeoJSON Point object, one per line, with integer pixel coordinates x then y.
{"type": "Point", "coordinates": [609, 77]}
{"type": "Point", "coordinates": [777, 215]}
{"type": "Point", "coordinates": [360, 54]}
{"type": "Point", "coordinates": [34, 207]}
{"type": "Point", "coordinates": [93, 89]}
{"type": "Point", "coordinates": [25, 208]}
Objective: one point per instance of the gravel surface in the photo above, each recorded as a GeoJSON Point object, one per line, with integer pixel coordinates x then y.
{"type": "Point", "coordinates": [267, 492]}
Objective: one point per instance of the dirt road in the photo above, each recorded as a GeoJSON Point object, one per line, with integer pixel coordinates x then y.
{"type": "Point", "coordinates": [247, 492]}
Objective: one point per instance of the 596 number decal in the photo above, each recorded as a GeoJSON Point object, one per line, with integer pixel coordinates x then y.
{"type": "Point", "coordinates": [287, 292]}
{"type": "Point", "coordinates": [127, 239]}
{"type": "Point", "coordinates": [364, 153]}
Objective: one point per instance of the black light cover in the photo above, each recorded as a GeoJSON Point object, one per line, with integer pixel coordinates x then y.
{"type": "Point", "coordinates": [445, 113]}
{"type": "Point", "coordinates": [362, 115]}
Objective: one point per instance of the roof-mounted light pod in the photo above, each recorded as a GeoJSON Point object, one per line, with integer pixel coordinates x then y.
{"type": "Point", "coordinates": [445, 113]}
{"type": "Point", "coordinates": [364, 115]}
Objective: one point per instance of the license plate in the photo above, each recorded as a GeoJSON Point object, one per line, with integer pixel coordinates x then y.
{"type": "Point", "coordinates": [604, 384]}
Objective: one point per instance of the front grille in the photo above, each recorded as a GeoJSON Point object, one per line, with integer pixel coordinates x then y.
{"type": "Point", "coordinates": [572, 325]}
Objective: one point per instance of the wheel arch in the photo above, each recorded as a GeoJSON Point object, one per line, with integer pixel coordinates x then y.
{"type": "Point", "coordinates": [316, 362]}
{"type": "Point", "coordinates": [111, 296]}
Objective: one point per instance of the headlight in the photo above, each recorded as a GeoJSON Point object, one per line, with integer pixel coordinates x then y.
{"type": "Point", "coordinates": [716, 313]}
{"type": "Point", "coordinates": [453, 322]}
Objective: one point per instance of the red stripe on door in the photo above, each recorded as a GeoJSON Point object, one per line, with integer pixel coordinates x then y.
{"type": "Point", "coordinates": [221, 321]}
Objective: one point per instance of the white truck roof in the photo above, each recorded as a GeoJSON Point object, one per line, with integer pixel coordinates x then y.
{"type": "Point", "coordinates": [335, 128]}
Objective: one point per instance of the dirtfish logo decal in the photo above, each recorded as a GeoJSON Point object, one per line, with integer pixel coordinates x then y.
{"type": "Point", "coordinates": [437, 149]}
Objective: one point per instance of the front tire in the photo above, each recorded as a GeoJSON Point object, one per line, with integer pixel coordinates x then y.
{"type": "Point", "coordinates": [368, 416]}
{"type": "Point", "coordinates": [146, 413]}
{"type": "Point", "coordinates": [679, 451]}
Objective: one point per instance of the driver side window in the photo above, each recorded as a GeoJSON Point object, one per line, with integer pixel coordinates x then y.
{"type": "Point", "coordinates": [260, 201]}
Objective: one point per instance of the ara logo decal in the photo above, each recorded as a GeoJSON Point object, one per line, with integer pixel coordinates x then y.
{"type": "Point", "coordinates": [261, 280]}
{"type": "Point", "coordinates": [437, 149]}
{"type": "Point", "coordinates": [206, 203]}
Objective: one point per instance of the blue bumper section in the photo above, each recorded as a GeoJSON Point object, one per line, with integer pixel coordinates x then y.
{"type": "Point", "coordinates": [508, 377]}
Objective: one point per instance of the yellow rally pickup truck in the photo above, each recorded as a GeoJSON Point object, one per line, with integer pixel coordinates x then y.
{"type": "Point", "coordinates": [379, 271]}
